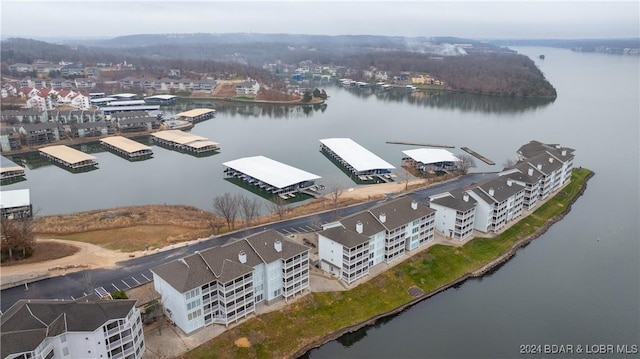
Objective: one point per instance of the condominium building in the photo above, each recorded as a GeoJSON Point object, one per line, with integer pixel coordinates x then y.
{"type": "Point", "coordinates": [552, 161]}
{"type": "Point", "coordinates": [85, 328]}
{"type": "Point", "coordinates": [455, 214]}
{"type": "Point", "coordinates": [500, 200]}
{"type": "Point", "coordinates": [223, 284]}
{"type": "Point", "coordinates": [350, 247]}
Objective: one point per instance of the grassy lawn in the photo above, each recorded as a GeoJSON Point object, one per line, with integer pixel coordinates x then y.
{"type": "Point", "coordinates": [282, 333]}
{"type": "Point", "coordinates": [137, 238]}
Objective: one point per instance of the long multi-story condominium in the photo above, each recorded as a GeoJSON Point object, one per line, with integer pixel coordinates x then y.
{"type": "Point", "coordinates": [350, 247]}
{"type": "Point", "coordinates": [72, 329]}
{"type": "Point", "coordinates": [455, 214]}
{"type": "Point", "coordinates": [552, 161]}
{"type": "Point", "coordinates": [223, 284]}
{"type": "Point", "coordinates": [500, 200]}
{"type": "Point", "coordinates": [541, 170]}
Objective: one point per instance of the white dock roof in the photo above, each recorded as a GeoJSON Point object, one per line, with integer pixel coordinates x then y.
{"type": "Point", "coordinates": [272, 172]}
{"type": "Point", "coordinates": [67, 154]}
{"type": "Point", "coordinates": [431, 155]}
{"type": "Point", "coordinates": [357, 156]}
{"type": "Point", "coordinates": [125, 144]}
{"type": "Point", "coordinates": [184, 138]}
{"type": "Point", "coordinates": [161, 97]}
{"type": "Point", "coordinates": [15, 198]}
{"type": "Point", "coordinates": [195, 112]}
{"type": "Point", "coordinates": [8, 165]}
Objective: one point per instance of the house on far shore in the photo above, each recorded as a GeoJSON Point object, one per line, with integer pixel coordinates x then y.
{"type": "Point", "coordinates": [85, 328]}
{"type": "Point", "coordinates": [248, 88]}
{"type": "Point", "coordinates": [224, 284]}
{"type": "Point", "coordinates": [350, 247]}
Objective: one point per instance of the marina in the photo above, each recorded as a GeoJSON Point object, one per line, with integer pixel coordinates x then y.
{"type": "Point", "coordinates": [183, 141]}
{"type": "Point", "coordinates": [10, 171]}
{"type": "Point", "coordinates": [113, 109]}
{"type": "Point", "coordinates": [161, 99]}
{"type": "Point", "coordinates": [357, 160]}
{"type": "Point", "coordinates": [127, 148]}
{"type": "Point", "coordinates": [69, 158]}
{"type": "Point", "coordinates": [477, 155]}
{"type": "Point", "coordinates": [196, 115]}
{"type": "Point", "coordinates": [271, 176]}
{"type": "Point", "coordinates": [430, 159]}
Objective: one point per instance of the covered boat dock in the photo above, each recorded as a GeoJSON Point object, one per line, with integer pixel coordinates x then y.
{"type": "Point", "coordinates": [356, 159]}
{"type": "Point", "coordinates": [196, 115]}
{"type": "Point", "coordinates": [113, 109]}
{"type": "Point", "coordinates": [161, 99]}
{"type": "Point", "coordinates": [69, 157]}
{"type": "Point", "coordinates": [430, 159]}
{"type": "Point", "coordinates": [271, 176]}
{"type": "Point", "coordinates": [16, 204]}
{"type": "Point", "coordinates": [185, 141]}
{"type": "Point", "coordinates": [127, 148]}
{"type": "Point", "coordinates": [10, 170]}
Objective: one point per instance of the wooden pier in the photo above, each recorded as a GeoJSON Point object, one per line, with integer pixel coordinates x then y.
{"type": "Point", "coordinates": [419, 144]}
{"type": "Point", "coordinates": [127, 148]}
{"type": "Point", "coordinates": [477, 155]}
{"type": "Point", "coordinates": [69, 157]}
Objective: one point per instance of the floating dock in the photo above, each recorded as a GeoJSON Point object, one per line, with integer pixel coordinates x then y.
{"type": "Point", "coordinates": [69, 157]}
{"type": "Point", "coordinates": [271, 176]}
{"type": "Point", "coordinates": [9, 170]}
{"type": "Point", "coordinates": [418, 144]}
{"type": "Point", "coordinates": [127, 148]}
{"type": "Point", "coordinates": [356, 159]}
{"type": "Point", "coordinates": [196, 115]}
{"type": "Point", "coordinates": [430, 159]}
{"type": "Point", "coordinates": [185, 141]}
{"type": "Point", "coordinates": [477, 155]}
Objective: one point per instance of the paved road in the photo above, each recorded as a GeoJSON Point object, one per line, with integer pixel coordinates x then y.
{"type": "Point", "coordinates": [136, 271]}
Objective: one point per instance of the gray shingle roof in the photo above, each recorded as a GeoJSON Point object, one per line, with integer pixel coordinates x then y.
{"type": "Point", "coordinates": [534, 148]}
{"type": "Point", "coordinates": [222, 263]}
{"type": "Point", "coordinates": [400, 211]}
{"type": "Point", "coordinates": [501, 189]}
{"type": "Point", "coordinates": [28, 322]}
{"type": "Point", "coordinates": [347, 237]}
{"type": "Point", "coordinates": [456, 201]}
{"type": "Point", "coordinates": [370, 224]}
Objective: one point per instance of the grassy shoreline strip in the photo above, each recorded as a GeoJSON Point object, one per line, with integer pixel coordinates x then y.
{"type": "Point", "coordinates": [321, 317]}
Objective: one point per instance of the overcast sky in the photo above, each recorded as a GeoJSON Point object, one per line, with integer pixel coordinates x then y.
{"type": "Point", "coordinates": [470, 19]}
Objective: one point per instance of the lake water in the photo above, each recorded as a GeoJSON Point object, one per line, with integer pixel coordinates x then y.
{"type": "Point", "coordinates": [578, 284]}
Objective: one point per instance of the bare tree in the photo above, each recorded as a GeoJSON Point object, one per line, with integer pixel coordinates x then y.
{"type": "Point", "coordinates": [216, 223]}
{"type": "Point", "coordinates": [278, 206]}
{"type": "Point", "coordinates": [404, 176]}
{"type": "Point", "coordinates": [226, 206]}
{"type": "Point", "coordinates": [17, 238]}
{"type": "Point", "coordinates": [335, 189]}
{"type": "Point", "coordinates": [509, 162]}
{"type": "Point", "coordinates": [466, 162]}
{"type": "Point", "coordinates": [250, 207]}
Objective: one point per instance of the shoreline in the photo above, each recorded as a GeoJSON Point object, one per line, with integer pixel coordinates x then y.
{"type": "Point", "coordinates": [488, 268]}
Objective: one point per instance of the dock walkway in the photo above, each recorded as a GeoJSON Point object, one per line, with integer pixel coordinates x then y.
{"type": "Point", "coordinates": [477, 155]}
{"type": "Point", "coordinates": [418, 144]}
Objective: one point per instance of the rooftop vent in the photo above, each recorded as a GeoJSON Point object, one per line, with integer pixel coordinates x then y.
{"type": "Point", "coordinates": [414, 205]}
{"type": "Point", "coordinates": [359, 227]}
{"type": "Point", "coordinates": [465, 197]}
{"type": "Point", "coordinates": [550, 159]}
{"type": "Point", "coordinates": [539, 166]}
{"type": "Point", "coordinates": [509, 182]}
{"type": "Point", "coordinates": [278, 245]}
{"type": "Point", "coordinates": [564, 152]}
{"type": "Point", "coordinates": [491, 191]}
{"type": "Point", "coordinates": [530, 171]}
{"type": "Point", "coordinates": [383, 217]}
{"type": "Point", "coordinates": [242, 257]}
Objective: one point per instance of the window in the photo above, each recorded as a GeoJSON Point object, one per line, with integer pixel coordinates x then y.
{"type": "Point", "coordinates": [65, 351]}
{"type": "Point", "coordinates": [63, 338]}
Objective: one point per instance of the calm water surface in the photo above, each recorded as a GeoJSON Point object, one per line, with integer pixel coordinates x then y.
{"type": "Point", "coordinates": [578, 284]}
